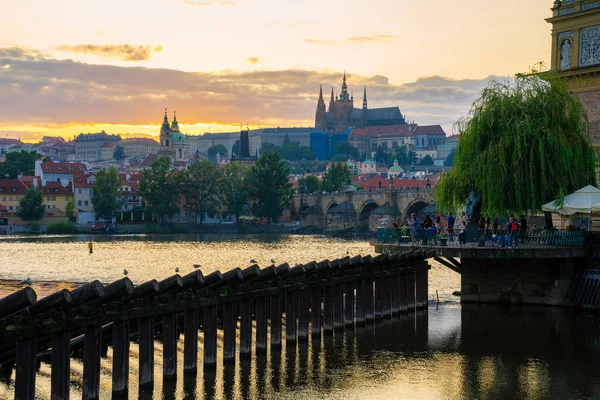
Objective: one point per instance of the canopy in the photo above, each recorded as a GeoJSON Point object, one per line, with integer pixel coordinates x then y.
{"type": "Point", "coordinates": [584, 201]}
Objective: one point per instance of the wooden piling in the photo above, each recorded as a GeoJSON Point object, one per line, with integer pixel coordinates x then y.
{"type": "Point", "coordinates": [25, 369]}
{"type": "Point", "coordinates": [349, 304]}
{"type": "Point", "coordinates": [290, 317]}
{"type": "Point", "coordinates": [17, 301]}
{"type": "Point", "coordinates": [92, 349]}
{"type": "Point", "coordinates": [261, 324]}
{"type": "Point", "coordinates": [210, 335]}
{"type": "Point", "coordinates": [338, 306]}
{"type": "Point", "coordinates": [387, 297]}
{"type": "Point", "coordinates": [360, 302]}
{"type": "Point", "coordinates": [276, 321]}
{"type": "Point", "coordinates": [169, 338]}
{"type": "Point", "coordinates": [315, 311]}
{"type": "Point", "coordinates": [378, 297]}
{"type": "Point", "coordinates": [303, 315]}
{"type": "Point", "coordinates": [410, 291]}
{"type": "Point", "coordinates": [120, 363]}
{"type": "Point", "coordinates": [60, 361]}
{"type": "Point", "coordinates": [229, 329]}
{"type": "Point", "coordinates": [369, 301]}
{"type": "Point", "coordinates": [190, 344]}
{"type": "Point", "coordinates": [403, 293]}
{"type": "Point", "coordinates": [246, 328]}
{"type": "Point", "coordinates": [146, 346]}
{"type": "Point", "coordinates": [328, 311]}
{"type": "Point", "coordinates": [395, 293]}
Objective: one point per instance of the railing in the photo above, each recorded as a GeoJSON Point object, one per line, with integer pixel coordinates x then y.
{"type": "Point", "coordinates": [430, 237]}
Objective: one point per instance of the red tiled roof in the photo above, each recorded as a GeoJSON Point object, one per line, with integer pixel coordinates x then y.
{"type": "Point", "coordinates": [453, 137]}
{"type": "Point", "coordinates": [62, 168]}
{"type": "Point", "coordinates": [55, 187]}
{"type": "Point", "coordinates": [2, 208]}
{"type": "Point", "coordinates": [430, 130]}
{"type": "Point", "coordinates": [81, 180]}
{"type": "Point", "coordinates": [12, 186]}
{"type": "Point", "coordinates": [386, 130]}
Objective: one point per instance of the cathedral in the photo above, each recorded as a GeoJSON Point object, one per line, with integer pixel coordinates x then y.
{"type": "Point", "coordinates": [342, 115]}
{"type": "Point", "coordinates": [172, 142]}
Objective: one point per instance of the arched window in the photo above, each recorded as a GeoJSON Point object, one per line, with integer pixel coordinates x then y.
{"type": "Point", "coordinates": [167, 142]}
{"type": "Point", "coordinates": [179, 153]}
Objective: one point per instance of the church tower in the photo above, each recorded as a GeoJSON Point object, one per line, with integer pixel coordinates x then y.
{"type": "Point", "coordinates": [343, 108]}
{"type": "Point", "coordinates": [321, 114]}
{"type": "Point", "coordinates": [165, 132]}
{"type": "Point", "coordinates": [332, 101]}
{"type": "Point", "coordinates": [175, 124]}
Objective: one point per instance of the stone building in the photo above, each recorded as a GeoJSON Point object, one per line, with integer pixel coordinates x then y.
{"type": "Point", "coordinates": [342, 115]}
{"type": "Point", "coordinates": [576, 54]}
{"type": "Point", "coordinates": [173, 143]}
{"type": "Point", "coordinates": [89, 147]}
{"type": "Point", "coordinates": [139, 147]}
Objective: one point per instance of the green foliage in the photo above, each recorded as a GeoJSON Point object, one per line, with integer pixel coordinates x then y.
{"type": "Point", "coordinates": [522, 145]}
{"type": "Point", "coordinates": [309, 184]}
{"type": "Point", "coordinates": [336, 178]}
{"type": "Point", "coordinates": [200, 187]}
{"type": "Point", "coordinates": [119, 153]}
{"type": "Point", "coordinates": [70, 208]}
{"type": "Point", "coordinates": [234, 191]}
{"type": "Point", "coordinates": [307, 154]}
{"type": "Point", "coordinates": [35, 227]}
{"type": "Point", "coordinates": [383, 157]}
{"type": "Point", "coordinates": [65, 228]}
{"type": "Point", "coordinates": [31, 205]}
{"type": "Point", "coordinates": [106, 190]}
{"type": "Point", "coordinates": [269, 187]}
{"type": "Point", "coordinates": [347, 150]}
{"type": "Point", "coordinates": [160, 187]}
{"type": "Point", "coordinates": [427, 160]}
{"type": "Point", "coordinates": [19, 163]}
{"type": "Point", "coordinates": [291, 151]}
{"type": "Point", "coordinates": [217, 148]}
{"type": "Point", "coordinates": [450, 159]}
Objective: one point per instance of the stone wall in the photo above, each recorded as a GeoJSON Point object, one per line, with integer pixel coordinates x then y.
{"type": "Point", "coordinates": [591, 103]}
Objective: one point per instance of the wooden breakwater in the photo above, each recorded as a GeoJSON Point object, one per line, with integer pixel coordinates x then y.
{"type": "Point", "coordinates": [276, 303]}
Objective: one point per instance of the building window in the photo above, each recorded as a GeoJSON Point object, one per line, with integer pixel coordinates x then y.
{"type": "Point", "coordinates": [79, 202]}
{"type": "Point", "coordinates": [10, 198]}
{"type": "Point", "coordinates": [79, 191]}
{"type": "Point", "coordinates": [86, 203]}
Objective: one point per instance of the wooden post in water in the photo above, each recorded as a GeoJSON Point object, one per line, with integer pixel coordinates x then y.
{"type": "Point", "coordinates": [395, 293]}
{"type": "Point", "coordinates": [378, 297]}
{"type": "Point", "coordinates": [303, 315]}
{"type": "Point", "coordinates": [422, 287]}
{"type": "Point", "coordinates": [360, 302]}
{"type": "Point", "coordinates": [338, 308]}
{"type": "Point", "coordinates": [349, 304]}
{"type": "Point", "coordinates": [146, 345]}
{"type": "Point", "coordinates": [276, 321]}
{"type": "Point", "coordinates": [92, 348]}
{"type": "Point", "coordinates": [120, 372]}
{"type": "Point", "coordinates": [403, 293]}
{"type": "Point", "coordinates": [190, 344]}
{"type": "Point", "coordinates": [290, 317]}
{"type": "Point", "coordinates": [387, 297]}
{"type": "Point", "coordinates": [229, 328]}
{"type": "Point", "coordinates": [25, 369]}
{"type": "Point", "coordinates": [369, 303]}
{"type": "Point", "coordinates": [315, 311]}
{"type": "Point", "coordinates": [60, 376]}
{"type": "Point", "coordinates": [410, 291]}
{"type": "Point", "coordinates": [169, 338]}
{"type": "Point", "coordinates": [246, 328]}
{"type": "Point", "coordinates": [261, 324]}
{"type": "Point", "coordinates": [328, 308]}
{"type": "Point", "coordinates": [210, 335]}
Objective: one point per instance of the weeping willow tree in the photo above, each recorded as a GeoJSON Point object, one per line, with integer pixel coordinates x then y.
{"type": "Point", "coordinates": [523, 144]}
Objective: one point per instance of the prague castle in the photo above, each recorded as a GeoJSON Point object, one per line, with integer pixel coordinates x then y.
{"type": "Point", "coordinates": [342, 115]}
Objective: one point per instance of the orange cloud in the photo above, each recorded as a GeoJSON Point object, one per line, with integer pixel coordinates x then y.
{"type": "Point", "coordinates": [125, 52]}
{"type": "Point", "coordinates": [253, 60]}
{"type": "Point", "coordinates": [315, 41]}
{"type": "Point", "coordinates": [372, 37]}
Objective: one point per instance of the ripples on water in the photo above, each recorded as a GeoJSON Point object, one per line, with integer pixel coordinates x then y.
{"type": "Point", "coordinates": [452, 352]}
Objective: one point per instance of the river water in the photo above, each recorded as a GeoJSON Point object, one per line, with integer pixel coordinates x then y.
{"type": "Point", "coordinates": [449, 352]}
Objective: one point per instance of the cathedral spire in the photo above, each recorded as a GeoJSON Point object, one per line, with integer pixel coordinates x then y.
{"type": "Point", "coordinates": [365, 99]}
{"type": "Point", "coordinates": [321, 114]}
{"type": "Point", "coordinates": [344, 94]}
{"type": "Point", "coordinates": [321, 95]}
{"type": "Point", "coordinates": [331, 101]}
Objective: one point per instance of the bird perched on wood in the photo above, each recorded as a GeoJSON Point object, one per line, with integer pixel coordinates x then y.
{"type": "Point", "coordinates": [196, 266]}
{"type": "Point", "coordinates": [27, 281]}
{"type": "Point", "coordinates": [253, 261]}
{"type": "Point", "coordinates": [272, 261]}
{"type": "Point", "coordinates": [125, 272]}
{"type": "Point", "coordinates": [347, 252]}
{"type": "Point", "coordinates": [177, 269]}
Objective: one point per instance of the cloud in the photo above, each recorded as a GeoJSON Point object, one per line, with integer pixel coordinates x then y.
{"type": "Point", "coordinates": [125, 52]}
{"type": "Point", "coordinates": [372, 37]}
{"type": "Point", "coordinates": [252, 60]}
{"type": "Point", "coordinates": [222, 3]}
{"type": "Point", "coordinates": [41, 91]}
{"type": "Point", "coordinates": [315, 41]}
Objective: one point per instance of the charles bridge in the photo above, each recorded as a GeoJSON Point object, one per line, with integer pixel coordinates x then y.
{"type": "Point", "coordinates": [360, 210]}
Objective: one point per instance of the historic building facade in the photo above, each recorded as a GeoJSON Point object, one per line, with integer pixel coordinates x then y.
{"type": "Point", "coordinates": [342, 115]}
{"type": "Point", "coordinates": [172, 142]}
{"type": "Point", "coordinates": [576, 54]}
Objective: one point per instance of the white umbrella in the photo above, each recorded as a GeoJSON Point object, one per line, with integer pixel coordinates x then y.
{"type": "Point", "coordinates": [584, 201]}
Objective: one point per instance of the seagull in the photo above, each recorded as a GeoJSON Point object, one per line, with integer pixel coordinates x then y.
{"type": "Point", "coordinates": [253, 261]}
{"type": "Point", "coordinates": [347, 252]}
{"type": "Point", "coordinates": [27, 281]}
{"type": "Point", "coordinates": [125, 272]}
{"type": "Point", "coordinates": [272, 261]}
{"type": "Point", "coordinates": [196, 266]}
{"type": "Point", "coordinates": [177, 269]}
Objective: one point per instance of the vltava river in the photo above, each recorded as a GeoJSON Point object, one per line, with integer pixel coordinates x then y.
{"type": "Point", "coordinates": [449, 352]}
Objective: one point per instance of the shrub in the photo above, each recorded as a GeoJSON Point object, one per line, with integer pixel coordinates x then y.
{"type": "Point", "coordinates": [35, 227]}
{"type": "Point", "coordinates": [62, 228]}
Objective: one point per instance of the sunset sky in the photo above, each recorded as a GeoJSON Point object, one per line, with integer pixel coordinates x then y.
{"type": "Point", "coordinates": [71, 66]}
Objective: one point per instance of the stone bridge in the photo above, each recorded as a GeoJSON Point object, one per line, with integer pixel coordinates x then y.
{"type": "Point", "coordinates": [360, 210]}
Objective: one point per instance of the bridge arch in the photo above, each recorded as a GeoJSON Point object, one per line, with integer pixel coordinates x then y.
{"type": "Point", "coordinates": [414, 207]}
{"type": "Point", "coordinates": [364, 213]}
